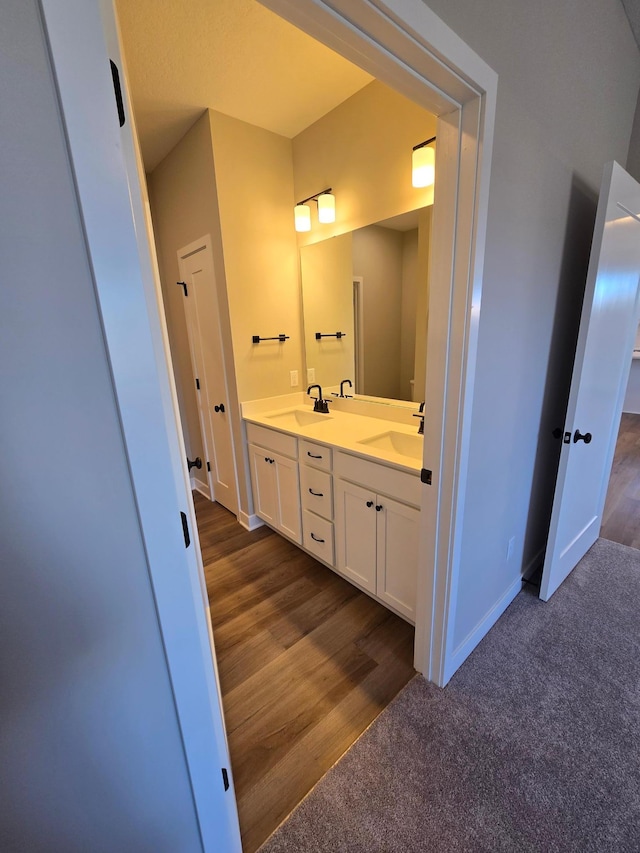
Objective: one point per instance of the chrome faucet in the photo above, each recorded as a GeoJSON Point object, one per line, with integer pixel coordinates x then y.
{"type": "Point", "coordinates": [420, 414]}
{"type": "Point", "coordinates": [319, 405]}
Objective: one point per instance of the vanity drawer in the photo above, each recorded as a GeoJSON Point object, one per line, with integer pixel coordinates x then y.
{"type": "Point", "coordinates": [379, 478]}
{"type": "Point", "coordinates": [317, 455]}
{"type": "Point", "coordinates": [316, 491]}
{"type": "Point", "coordinates": [317, 536]}
{"type": "Point", "coordinates": [273, 439]}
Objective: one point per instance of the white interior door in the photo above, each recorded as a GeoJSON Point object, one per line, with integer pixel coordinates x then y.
{"type": "Point", "coordinates": [600, 374]}
{"type": "Point", "coordinates": [207, 361]}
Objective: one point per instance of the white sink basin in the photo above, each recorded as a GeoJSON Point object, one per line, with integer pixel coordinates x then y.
{"type": "Point", "coordinates": [397, 442]}
{"type": "Point", "coordinates": [298, 418]}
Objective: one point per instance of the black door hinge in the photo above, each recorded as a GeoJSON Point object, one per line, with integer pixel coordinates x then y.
{"type": "Point", "coordinates": [185, 529]}
{"type": "Point", "coordinates": [208, 466]}
{"type": "Point", "coordinates": [115, 74]}
{"type": "Point", "coordinates": [183, 285]}
{"type": "Point", "coordinates": [197, 383]}
{"type": "Point", "coordinates": [225, 778]}
{"type": "Point", "coordinates": [425, 476]}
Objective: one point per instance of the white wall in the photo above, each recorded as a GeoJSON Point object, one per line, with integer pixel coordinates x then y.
{"type": "Point", "coordinates": [568, 84]}
{"type": "Point", "coordinates": [633, 160]}
{"type": "Point", "coordinates": [92, 757]}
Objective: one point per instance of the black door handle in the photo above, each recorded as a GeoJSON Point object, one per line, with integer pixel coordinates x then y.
{"type": "Point", "coordinates": [369, 504]}
{"type": "Point", "coordinates": [316, 494]}
{"type": "Point", "coordinates": [578, 436]}
{"type": "Point", "coordinates": [194, 463]}
{"type": "Point", "coordinates": [219, 408]}
{"type": "Point", "coordinates": [378, 507]}
{"type": "Point", "coordinates": [315, 538]}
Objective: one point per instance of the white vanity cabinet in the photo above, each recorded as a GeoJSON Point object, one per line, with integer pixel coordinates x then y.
{"type": "Point", "coordinates": [377, 530]}
{"type": "Point", "coordinates": [357, 515]}
{"type": "Point", "coordinates": [316, 490]}
{"type": "Point", "coordinates": [275, 481]}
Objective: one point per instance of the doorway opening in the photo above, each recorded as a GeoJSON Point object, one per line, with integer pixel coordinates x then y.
{"type": "Point", "coordinates": [620, 516]}
{"type": "Point", "coordinates": [466, 112]}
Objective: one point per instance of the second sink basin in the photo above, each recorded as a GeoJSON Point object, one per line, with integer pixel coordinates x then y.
{"type": "Point", "coordinates": [397, 442]}
{"type": "Point", "coordinates": [298, 418]}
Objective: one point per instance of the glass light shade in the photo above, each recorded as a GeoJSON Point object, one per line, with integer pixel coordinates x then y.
{"type": "Point", "coordinates": [326, 208]}
{"type": "Point", "coordinates": [302, 216]}
{"type": "Point", "coordinates": [423, 171]}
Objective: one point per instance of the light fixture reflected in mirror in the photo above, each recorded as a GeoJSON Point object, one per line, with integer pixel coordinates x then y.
{"type": "Point", "coordinates": [423, 162]}
{"type": "Point", "coordinates": [326, 210]}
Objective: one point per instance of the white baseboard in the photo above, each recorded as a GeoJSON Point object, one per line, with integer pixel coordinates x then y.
{"type": "Point", "coordinates": [250, 522]}
{"type": "Point", "coordinates": [482, 629]}
{"type": "Point", "coordinates": [199, 486]}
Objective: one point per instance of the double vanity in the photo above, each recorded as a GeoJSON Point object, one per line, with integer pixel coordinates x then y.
{"type": "Point", "coordinates": [344, 486]}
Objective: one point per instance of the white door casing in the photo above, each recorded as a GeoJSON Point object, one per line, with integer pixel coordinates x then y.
{"type": "Point", "coordinates": [601, 369]}
{"type": "Point", "coordinates": [111, 196]}
{"type": "Point", "coordinates": [406, 46]}
{"type": "Point", "coordinates": [195, 263]}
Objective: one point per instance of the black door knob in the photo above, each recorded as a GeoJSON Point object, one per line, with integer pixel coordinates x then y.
{"type": "Point", "coordinates": [578, 436]}
{"type": "Point", "coordinates": [378, 507]}
{"type": "Point", "coordinates": [369, 503]}
{"type": "Point", "coordinates": [219, 408]}
{"type": "Point", "coordinates": [194, 463]}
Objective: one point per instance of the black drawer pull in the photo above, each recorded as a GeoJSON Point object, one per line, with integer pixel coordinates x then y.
{"type": "Point", "coordinates": [312, 456]}
{"type": "Point", "coordinates": [315, 538]}
{"type": "Point", "coordinates": [316, 494]}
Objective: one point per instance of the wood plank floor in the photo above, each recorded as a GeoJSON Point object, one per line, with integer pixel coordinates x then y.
{"type": "Point", "coordinates": [306, 663]}
{"type": "Point", "coordinates": [621, 516]}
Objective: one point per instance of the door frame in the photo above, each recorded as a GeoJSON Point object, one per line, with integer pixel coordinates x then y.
{"type": "Point", "coordinates": [205, 404]}
{"type": "Point", "coordinates": [404, 44]}
{"type": "Point", "coordinates": [115, 220]}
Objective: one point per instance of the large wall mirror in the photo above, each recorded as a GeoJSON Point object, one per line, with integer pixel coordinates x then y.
{"type": "Point", "coordinates": [365, 299]}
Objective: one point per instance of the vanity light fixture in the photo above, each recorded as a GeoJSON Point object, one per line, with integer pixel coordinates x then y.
{"type": "Point", "coordinates": [302, 215]}
{"type": "Point", "coordinates": [326, 202]}
{"type": "Point", "coordinates": [423, 162]}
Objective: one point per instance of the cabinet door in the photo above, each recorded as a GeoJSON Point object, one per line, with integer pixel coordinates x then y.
{"type": "Point", "coordinates": [288, 497]}
{"type": "Point", "coordinates": [263, 479]}
{"type": "Point", "coordinates": [356, 533]}
{"type": "Point", "coordinates": [398, 528]}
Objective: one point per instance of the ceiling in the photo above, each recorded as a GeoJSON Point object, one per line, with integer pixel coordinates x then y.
{"type": "Point", "coordinates": [236, 57]}
{"type": "Point", "coordinates": [233, 56]}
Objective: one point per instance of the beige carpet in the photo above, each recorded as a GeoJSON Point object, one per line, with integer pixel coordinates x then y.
{"type": "Point", "coordinates": [533, 746]}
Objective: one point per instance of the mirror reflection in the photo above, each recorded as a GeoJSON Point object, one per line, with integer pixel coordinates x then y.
{"type": "Point", "coordinates": [365, 299]}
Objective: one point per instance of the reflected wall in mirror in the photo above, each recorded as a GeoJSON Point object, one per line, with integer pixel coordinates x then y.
{"type": "Point", "coordinates": [371, 285]}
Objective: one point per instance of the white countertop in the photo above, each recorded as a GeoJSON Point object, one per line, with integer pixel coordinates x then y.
{"type": "Point", "coordinates": [345, 431]}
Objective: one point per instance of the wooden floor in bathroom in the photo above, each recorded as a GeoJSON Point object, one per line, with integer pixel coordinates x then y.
{"type": "Point", "coordinates": [306, 663]}
{"type": "Point", "coordinates": [621, 516]}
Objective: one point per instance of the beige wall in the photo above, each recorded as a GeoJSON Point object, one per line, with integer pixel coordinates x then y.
{"type": "Point", "coordinates": [327, 275]}
{"type": "Point", "coordinates": [362, 149]}
{"type": "Point", "coordinates": [180, 213]}
{"type": "Point", "coordinates": [183, 197]}
{"type": "Point", "coordinates": [422, 302]}
{"type": "Point", "coordinates": [377, 257]}
{"type": "Point", "coordinates": [254, 177]}
{"type": "Point", "coordinates": [408, 308]}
